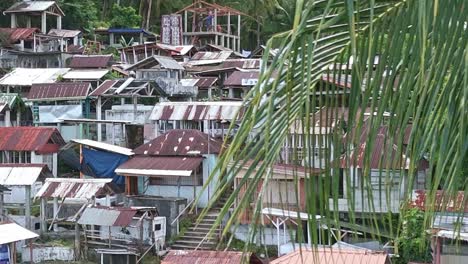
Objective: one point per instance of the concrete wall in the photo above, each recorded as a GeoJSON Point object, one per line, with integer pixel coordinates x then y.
{"type": "Point", "coordinates": [45, 253]}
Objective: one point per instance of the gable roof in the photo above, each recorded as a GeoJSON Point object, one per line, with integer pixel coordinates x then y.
{"type": "Point", "coordinates": [241, 78]}
{"type": "Point", "coordinates": [333, 256]}
{"type": "Point", "coordinates": [15, 34]}
{"type": "Point", "coordinates": [64, 33]}
{"type": "Point", "coordinates": [208, 257]}
{"type": "Point", "coordinates": [90, 61]}
{"type": "Point", "coordinates": [34, 6]}
{"type": "Point", "coordinates": [59, 91]}
{"type": "Point", "coordinates": [22, 174]}
{"type": "Point", "coordinates": [216, 110]}
{"type": "Point", "coordinates": [163, 62]}
{"type": "Point", "coordinates": [180, 142]}
{"type": "Point", "coordinates": [12, 232]}
{"type": "Point", "coordinates": [39, 139]}
{"type": "Point", "coordinates": [75, 188]}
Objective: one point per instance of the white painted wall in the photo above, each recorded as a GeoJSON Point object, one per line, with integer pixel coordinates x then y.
{"type": "Point", "coordinates": [41, 254]}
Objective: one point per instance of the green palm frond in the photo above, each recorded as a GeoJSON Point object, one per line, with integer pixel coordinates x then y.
{"type": "Point", "coordinates": [419, 79]}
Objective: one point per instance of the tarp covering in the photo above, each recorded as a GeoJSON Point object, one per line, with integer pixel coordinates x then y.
{"type": "Point", "coordinates": [104, 163]}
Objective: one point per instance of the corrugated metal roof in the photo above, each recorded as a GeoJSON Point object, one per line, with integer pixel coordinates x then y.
{"type": "Point", "coordinates": [64, 33]}
{"type": "Point", "coordinates": [10, 99]}
{"type": "Point", "coordinates": [196, 111]}
{"type": "Point", "coordinates": [75, 188]}
{"type": "Point", "coordinates": [104, 146]}
{"type": "Point", "coordinates": [59, 91]}
{"type": "Point", "coordinates": [240, 78]}
{"type": "Point", "coordinates": [30, 139]}
{"type": "Point", "coordinates": [22, 174]}
{"type": "Point", "coordinates": [90, 61]}
{"type": "Point", "coordinates": [85, 74]}
{"type": "Point", "coordinates": [163, 62]}
{"type": "Point", "coordinates": [444, 201]}
{"type": "Point", "coordinates": [3, 107]}
{"type": "Point", "coordinates": [180, 142]}
{"type": "Point", "coordinates": [181, 50]}
{"type": "Point", "coordinates": [26, 76]}
{"type": "Point", "coordinates": [32, 6]}
{"type": "Point", "coordinates": [159, 166]}
{"type": "Point", "coordinates": [12, 232]}
{"type": "Point", "coordinates": [205, 257]}
{"type": "Point", "coordinates": [206, 82]}
{"type": "Point", "coordinates": [130, 31]}
{"type": "Point", "coordinates": [242, 63]}
{"type": "Point", "coordinates": [106, 85]}
{"type": "Point", "coordinates": [383, 154]}
{"type": "Point", "coordinates": [16, 34]}
{"type": "Point", "coordinates": [207, 55]}
{"type": "Point", "coordinates": [107, 216]}
{"type": "Point", "coordinates": [333, 256]}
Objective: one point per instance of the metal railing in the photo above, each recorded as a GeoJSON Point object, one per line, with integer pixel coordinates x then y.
{"type": "Point", "coordinates": [176, 220]}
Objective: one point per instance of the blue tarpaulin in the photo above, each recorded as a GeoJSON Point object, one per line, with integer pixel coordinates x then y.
{"type": "Point", "coordinates": [104, 163]}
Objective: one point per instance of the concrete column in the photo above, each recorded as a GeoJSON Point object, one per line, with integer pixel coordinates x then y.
{"type": "Point", "coordinates": [43, 216]}
{"type": "Point", "coordinates": [135, 108]}
{"type": "Point", "coordinates": [111, 39]}
{"type": "Point", "coordinates": [59, 22]}
{"type": "Point", "coordinates": [18, 116]}
{"type": "Point", "coordinates": [27, 197]}
{"type": "Point", "coordinates": [99, 117]}
{"type": "Point", "coordinates": [7, 118]}
{"type": "Point", "coordinates": [44, 22]}
{"type": "Point", "coordinates": [28, 22]}
{"type": "Point", "coordinates": [77, 242]}
{"type": "Point", "coordinates": [238, 32]}
{"type": "Point", "coordinates": [14, 22]}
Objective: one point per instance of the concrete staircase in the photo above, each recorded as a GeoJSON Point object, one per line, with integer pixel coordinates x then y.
{"type": "Point", "coordinates": [195, 234]}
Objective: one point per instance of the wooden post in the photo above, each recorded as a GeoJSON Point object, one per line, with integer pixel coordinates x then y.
{"type": "Point", "coordinates": [1, 207]}
{"type": "Point", "coordinates": [229, 23]}
{"type": "Point", "coordinates": [110, 241]}
{"type": "Point", "coordinates": [43, 216]}
{"type": "Point", "coordinates": [77, 241]}
{"type": "Point", "coordinates": [238, 32]}
{"type": "Point", "coordinates": [185, 20]}
{"type": "Point", "coordinates": [28, 206]}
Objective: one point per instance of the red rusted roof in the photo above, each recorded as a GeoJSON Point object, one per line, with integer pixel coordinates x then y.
{"type": "Point", "coordinates": [206, 257]}
{"type": "Point", "coordinates": [162, 163]}
{"type": "Point", "coordinates": [106, 85]}
{"type": "Point", "coordinates": [384, 153]}
{"type": "Point", "coordinates": [38, 139]}
{"type": "Point", "coordinates": [90, 61]}
{"type": "Point", "coordinates": [241, 63]}
{"type": "Point", "coordinates": [236, 78]}
{"type": "Point", "coordinates": [76, 188]}
{"type": "Point", "coordinates": [63, 91]}
{"type": "Point", "coordinates": [333, 256]}
{"type": "Point", "coordinates": [181, 142]}
{"type": "Point", "coordinates": [16, 34]}
{"type": "Point", "coordinates": [444, 201]}
{"type": "Point", "coordinates": [206, 82]}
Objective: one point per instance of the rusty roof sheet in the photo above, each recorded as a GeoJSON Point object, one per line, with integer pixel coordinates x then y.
{"type": "Point", "coordinates": [206, 82]}
{"type": "Point", "coordinates": [211, 55]}
{"type": "Point", "coordinates": [22, 174]}
{"type": "Point", "coordinates": [64, 33]}
{"type": "Point", "coordinates": [205, 257]}
{"type": "Point", "coordinates": [242, 63]}
{"type": "Point", "coordinates": [159, 166]}
{"type": "Point", "coordinates": [33, 6]}
{"type": "Point", "coordinates": [75, 188]}
{"type": "Point", "coordinates": [107, 216]}
{"type": "Point", "coordinates": [333, 256]}
{"type": "Point", "coordinates": [59, 91]}
{"type": "Point", "coordinates": [39, 139]}
{"type": "Point", "coordinates": [162, 61]}
{"type": "Point", "coordinates": [180, 142]}
{"type": "Point", "coordinates": [90, 61]}
{"type": "Point", "coordinates": [16, 34]}
{"type": "Point", "coordinates": [106, 85]}
{"type": "Point", "coordinates": [384, 153]}
{"type": "Point", "coordinates": [241, 78]}
{"type": "Point", "coordinates": [444, 201]}
{"type": "Point", "coordinates": [197, 111]}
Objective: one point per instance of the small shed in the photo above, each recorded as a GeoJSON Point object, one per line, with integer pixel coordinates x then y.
{"type": "Point", "coordinates": [31, 9]}
{"type": "Point", "coordinates": [71, 37]}
{"type": "Point", "coordinates": [12, 233]}
{"type": "Point", "coordinates": [19, 38]}
{"type": "Point", "coordinates": [23, 180]}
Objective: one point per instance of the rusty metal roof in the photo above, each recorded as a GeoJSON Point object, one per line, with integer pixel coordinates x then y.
{"type": "Point", "coordinates": [180, 142]}
{"type": "Point", "coordinates": [205, 257]}
{"type": "Point", "coordinates": [196, 111]}
{"type": "Point", "coordinates": [22, 174]}
{"type": "Point", "coordinates": [444, 201]}
{"type": "Point", "coordinates": [90, 61]}
{"type": "Point", "coordinates": [163, 62]}
{"type": "Point", "coordinates": [59, 91]}
{"type": "Point", "coordinates": [333, 256]}
{"type": "Point", "coordinates": [212, 55]}
{"type": "Point", "coordinates": [106, 85]}
{"type": "Point", "coordinates": [107, 216]}
{"type": "Point", "coordinates": [206, 82]}
{"type": "Point", "coordinates": [75, 188]}
{"type": "Point", "coordinates": [38, 139]}
{"type": "Point", "coordinates": [34, 6]}
{"type": "Point", "coordinates": [64, 33]}
{"type": "Point", "coordinates": [16, 34]}
{"type": "Point", "coordinates": [242, 63]}
{"type": "Point", "coordinates": [384, 153]}
{"type": "Point", "coordinates": [241, 78]}
{"type": "Point", "coordinates": [159, 166]}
